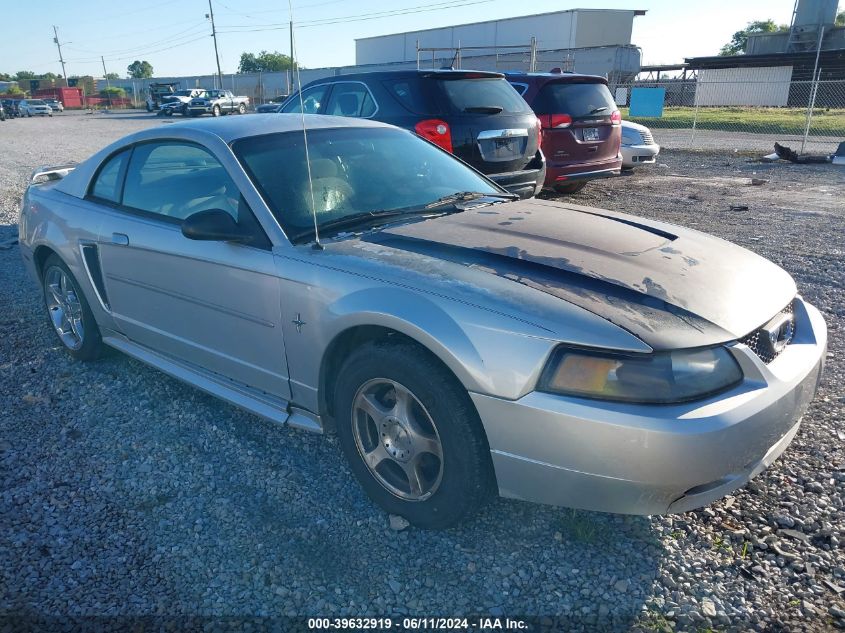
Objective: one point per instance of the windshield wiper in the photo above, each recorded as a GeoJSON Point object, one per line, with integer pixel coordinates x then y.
{"type": "Point", "coordinates": [597, 110]}
{"type": "Point", "coordinates": [356, 219]}
{"type": "Point", "coordinates": [484, 109]}
{"type": "Point", "coordinates": [464, 196]}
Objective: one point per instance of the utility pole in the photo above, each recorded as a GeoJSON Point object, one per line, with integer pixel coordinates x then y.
{"type": "Point", "coordinates": [106, 75]}
{"type": "Point", "coordinates": [61, 59]}
{"type": "Point", "coordinates": [214, 35]}
{"type": "Point", "coordinates": [292, 61]}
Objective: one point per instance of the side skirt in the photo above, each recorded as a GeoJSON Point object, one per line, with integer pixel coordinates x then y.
{"type": "Point", "coordinates": [260, 403]}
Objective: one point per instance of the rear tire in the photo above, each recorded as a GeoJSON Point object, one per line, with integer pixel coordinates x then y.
{"type": "Point", "coordinates": [402, 442]}
{"type": "Point", "coordinates": [241, 109]}
{"type": "Point", "coordinates": [571, 188]}
{"type": "Point", "coordinates": [68, 312]}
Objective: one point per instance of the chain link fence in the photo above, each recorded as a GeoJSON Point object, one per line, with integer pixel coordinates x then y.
{"type": "Point", "coordinates": [808, 116]}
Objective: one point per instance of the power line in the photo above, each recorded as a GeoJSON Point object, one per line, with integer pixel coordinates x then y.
{"type": "Point", "coordinates": [141, 52]}
{"type": "Point", "coordinates": [249, 28]}
{"type": "Point", "coordinates": [193, 30]}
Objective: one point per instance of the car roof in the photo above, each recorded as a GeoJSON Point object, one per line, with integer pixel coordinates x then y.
{"type": "Point", "coordinates": [232, 128]}
{"type": "Point", "coordinates": [544, 77]}
{"type": "Point", "coordinates": [399, 74]}
{"type": "Point", "coordinates": [207, 132]}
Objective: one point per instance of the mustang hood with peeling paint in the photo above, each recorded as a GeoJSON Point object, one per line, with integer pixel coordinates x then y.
{"type": "Point", "coordinates": [668, 285]}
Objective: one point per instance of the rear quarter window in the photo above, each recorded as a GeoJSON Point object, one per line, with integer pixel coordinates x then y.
{"type": "Point", "coordinates": [411, 95]}
{"type": "Point", "coordinates": [578, 100]}
{"type": "Point", "coordinates": [109, 179]}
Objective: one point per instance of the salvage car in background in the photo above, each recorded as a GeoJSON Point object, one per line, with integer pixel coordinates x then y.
{"type": "Point", "coordinates": [638, 146]}
{"type": "Point", "coordinates": [12, 108]}
{"type": "Point", "coordinates": [34, 107]}
{"type": "Point", "coordinates": [273, 106]}
{"type": "Point", "coordinates": [55, 105]}
{"type": "Point", "coordinates": [457, 340]}
{"type": "Point", "coordinates": [475, 115]}
{"type": "Point", "coordinates": [581, 126]}
{"type": "Point", "coordinates": [179, 101]}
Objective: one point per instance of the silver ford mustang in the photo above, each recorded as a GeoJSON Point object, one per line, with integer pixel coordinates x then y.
{"type": "Point", "coordinates": [458, 341]}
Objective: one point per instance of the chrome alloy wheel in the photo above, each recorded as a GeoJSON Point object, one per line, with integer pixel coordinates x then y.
{"type": "Point", "coordinates": [397, 439]}
{"type": "Point", "coordinates": [64, 307]}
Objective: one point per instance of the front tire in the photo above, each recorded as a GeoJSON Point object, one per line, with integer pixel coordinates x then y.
{"type": "Point", "coordinates": [215, 111]}
{"type": "Point", "coordinates": [411, 435]}
{"type": "Point", "coordinates": [68, 311]}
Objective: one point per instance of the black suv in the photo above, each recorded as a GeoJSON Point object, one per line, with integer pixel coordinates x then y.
{"type": "Point", "coordinates": [477, 116]}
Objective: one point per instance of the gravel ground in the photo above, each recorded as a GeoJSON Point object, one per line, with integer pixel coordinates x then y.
{"type": "Point", "coordinates": [126, 493]}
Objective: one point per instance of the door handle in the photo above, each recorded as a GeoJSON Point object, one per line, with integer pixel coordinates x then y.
{"type": "Point", "coordinates": [120, 239]}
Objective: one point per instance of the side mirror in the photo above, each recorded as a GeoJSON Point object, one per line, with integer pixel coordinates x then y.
{"type": "Point", "coordinates": [213, 225]}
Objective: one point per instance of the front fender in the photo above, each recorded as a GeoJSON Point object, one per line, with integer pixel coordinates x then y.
{"type": "Point", "coordinates": [485, 351]}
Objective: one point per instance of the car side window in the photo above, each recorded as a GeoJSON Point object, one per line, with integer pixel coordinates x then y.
{"type": "Point", "coordinates": [351, 99]}
{"type": "Point", "coordinates": [313, 100]}
{"type": "Point", "coordinates": [520, 88]}
{"type": "Point", "coordinates": [175, 180]}
{"type": "Point", "coordinates": [110, 177]}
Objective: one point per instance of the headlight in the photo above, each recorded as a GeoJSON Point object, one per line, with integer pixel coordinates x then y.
{"type": "Point", "coordinates": [661, 377]}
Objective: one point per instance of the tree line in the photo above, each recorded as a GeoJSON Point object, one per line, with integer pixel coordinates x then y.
{"type": "Point", "coordinates": [739, 39]}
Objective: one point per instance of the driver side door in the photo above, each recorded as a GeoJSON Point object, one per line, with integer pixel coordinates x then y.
{"type": "Point", "coordinates": [211, 304]}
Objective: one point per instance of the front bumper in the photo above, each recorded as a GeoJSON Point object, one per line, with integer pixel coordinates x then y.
{"type": "Point", "coordinates": [195, 110]}
{"type": "Point", "coordinates": [634, 155]}
{"type": "Point", "coordinates": [655, 459]}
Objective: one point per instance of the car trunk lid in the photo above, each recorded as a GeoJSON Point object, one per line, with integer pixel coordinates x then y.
{"type": "Point", "coordinates": [491, 126]}
{"type": "Point", "coordinates": [580, 121]}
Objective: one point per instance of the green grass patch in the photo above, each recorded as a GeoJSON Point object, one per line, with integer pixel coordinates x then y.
{"type": "Point", "coordinates": [581, 526]}
{"type": "Point", "coordinates": [826, 122]}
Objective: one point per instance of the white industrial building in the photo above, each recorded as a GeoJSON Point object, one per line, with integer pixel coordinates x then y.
{"type": "Point", "coordinates": [590, 41]}
{"type": "Point", "coordinates": [596, 41]}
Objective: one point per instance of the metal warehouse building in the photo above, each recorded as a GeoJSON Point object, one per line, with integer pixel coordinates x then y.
{"type": "Point", "coordinates": [595, 41]}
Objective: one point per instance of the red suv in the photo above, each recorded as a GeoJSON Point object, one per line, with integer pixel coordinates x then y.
{"type": "Point", "coordinates": [582, 129]}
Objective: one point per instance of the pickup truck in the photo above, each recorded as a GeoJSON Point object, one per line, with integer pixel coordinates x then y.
{"type": "Point", "coordinates": [217, 102]}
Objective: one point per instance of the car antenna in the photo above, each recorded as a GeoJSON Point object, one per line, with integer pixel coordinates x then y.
{"type": "Point", "coordinates": [295, 69]}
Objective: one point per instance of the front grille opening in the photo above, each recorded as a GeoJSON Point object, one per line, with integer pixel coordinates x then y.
{"type": "Point", "coordinates": [757, 343]}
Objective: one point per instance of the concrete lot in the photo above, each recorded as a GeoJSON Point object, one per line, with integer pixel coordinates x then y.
{"type": "Point", "coordinates": [126, 493]}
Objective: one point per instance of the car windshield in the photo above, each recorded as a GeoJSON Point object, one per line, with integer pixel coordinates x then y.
{"type": "Point", "coordinates": [578, 100]}
{"type": "Point", "coordinates": [36, 102]}
{"type": "Point", "coordinates": [183, 93]}
{"type": "Point", "coordinates": [355, 171]}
